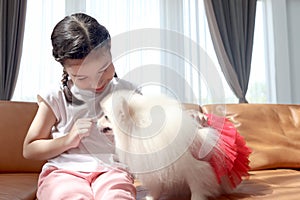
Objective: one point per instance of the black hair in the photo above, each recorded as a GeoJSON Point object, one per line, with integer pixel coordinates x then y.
{"type": "Point", "coordinates": [74, 37]}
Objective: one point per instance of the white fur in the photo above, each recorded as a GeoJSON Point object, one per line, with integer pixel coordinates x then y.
{"type": "Point", "coordinates": [153, 136]}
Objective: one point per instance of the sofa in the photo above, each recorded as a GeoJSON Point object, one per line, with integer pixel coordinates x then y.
{"type": "Point", "coordinates": [272, 131]}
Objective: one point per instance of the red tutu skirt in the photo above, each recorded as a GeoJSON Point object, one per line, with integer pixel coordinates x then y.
{"type": "Point", "coordinates": [230, 156]}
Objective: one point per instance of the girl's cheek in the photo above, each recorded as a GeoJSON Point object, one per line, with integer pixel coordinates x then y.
{"type": "Point", "coordinates": [111, 70]}
{"type": "Point", "coordinates": [108, 73]}
{"type": "Point", "coordinates": [82, 84]}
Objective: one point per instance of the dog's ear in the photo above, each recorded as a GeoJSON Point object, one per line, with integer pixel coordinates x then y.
{"type": "Point", "coordinates": [122, 117]}
{"type": "Point", "coordinates": [122, 110]}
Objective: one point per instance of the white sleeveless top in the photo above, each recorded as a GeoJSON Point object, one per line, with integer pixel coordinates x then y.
{"type": "Point", "coordinates": [95, 150]}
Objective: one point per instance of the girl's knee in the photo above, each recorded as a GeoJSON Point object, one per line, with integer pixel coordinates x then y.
{"type": "Point", "coordinates": [56, 186]}
{"type": "Point", "coordinates": [115, 185]}
{"type": "Point", "coordinates": [61, 193]}
{"type": "Point", "coordinates": [118, 192]}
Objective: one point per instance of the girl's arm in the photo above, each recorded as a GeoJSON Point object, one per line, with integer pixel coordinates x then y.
{"type": "Point", "coordinates": [38, 143]}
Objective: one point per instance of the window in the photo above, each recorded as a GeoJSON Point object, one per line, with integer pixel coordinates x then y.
{"type": "Point", "coordinates": [39, 70]}
{"type": "Point", "coordinates": [258, 82]}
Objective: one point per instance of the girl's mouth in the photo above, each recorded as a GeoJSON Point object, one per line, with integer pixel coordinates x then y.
{"type": "Point", "coordinates": [100, 89]}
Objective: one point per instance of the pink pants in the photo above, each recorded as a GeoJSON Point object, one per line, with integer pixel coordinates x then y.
{"type": "Point", "coordinates": [58, 184]}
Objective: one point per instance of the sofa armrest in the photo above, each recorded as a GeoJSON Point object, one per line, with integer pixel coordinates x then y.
{"type": "Point", "coordinates": [15, 119]}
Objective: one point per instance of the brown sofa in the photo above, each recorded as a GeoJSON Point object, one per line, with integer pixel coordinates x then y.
{"type": "Point", "coordinates": [272, 131]}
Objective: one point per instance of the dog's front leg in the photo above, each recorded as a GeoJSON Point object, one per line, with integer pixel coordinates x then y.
{"type": "Point", "coordinates": [149, 198]}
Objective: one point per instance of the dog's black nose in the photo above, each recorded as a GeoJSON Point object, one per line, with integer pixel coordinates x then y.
{"type": "Point", "coordinates": [106, 129]}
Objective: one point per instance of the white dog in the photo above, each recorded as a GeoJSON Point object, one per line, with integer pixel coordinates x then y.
{"type": "Point", "coordinates": [165, 146]}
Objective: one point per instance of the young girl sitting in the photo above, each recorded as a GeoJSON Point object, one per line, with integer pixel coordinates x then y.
{"type": "Point", "coordinates": [80, 162]}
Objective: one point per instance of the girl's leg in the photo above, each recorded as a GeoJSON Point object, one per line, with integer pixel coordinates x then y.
{"type": "Point", "coordinates": [114, 184]}
{"type": "Point", "coordinates": [57, 184]}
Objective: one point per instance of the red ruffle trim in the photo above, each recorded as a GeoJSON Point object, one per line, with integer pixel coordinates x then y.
{"type": "Point", "coordinates": [230, 158]}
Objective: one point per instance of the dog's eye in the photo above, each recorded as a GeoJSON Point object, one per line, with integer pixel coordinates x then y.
{"type": "Point", "coordinates": [107, 119]}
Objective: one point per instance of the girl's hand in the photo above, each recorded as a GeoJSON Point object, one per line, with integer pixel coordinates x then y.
{"type": "Point", "coordinates": [80, 129]}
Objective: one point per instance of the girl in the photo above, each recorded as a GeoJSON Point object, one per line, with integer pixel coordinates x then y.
{"type": "Point", "coordinates": [80, 157]}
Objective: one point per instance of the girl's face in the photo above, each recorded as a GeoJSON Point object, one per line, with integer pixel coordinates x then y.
{"type": "Point", "coordinates": [93, 73]}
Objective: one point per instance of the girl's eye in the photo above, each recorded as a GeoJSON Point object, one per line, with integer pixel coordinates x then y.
{"type": "Point", "coordinates": [81, 79]}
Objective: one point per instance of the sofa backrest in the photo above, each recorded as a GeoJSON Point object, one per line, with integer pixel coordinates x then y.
{"type": "Point", "coordinates": [272, 131]}
{"type": "Point", "coordinates": [15, 119]}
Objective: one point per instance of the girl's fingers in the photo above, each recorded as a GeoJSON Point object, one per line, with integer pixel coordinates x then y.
{"type": "Point", "coordinates": [83, 131]}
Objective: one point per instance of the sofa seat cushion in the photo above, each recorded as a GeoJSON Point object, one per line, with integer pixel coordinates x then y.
{"type": "Point", "coordinates": [279, 184]}
{"type": "Point", "coordinates": [18, 186]}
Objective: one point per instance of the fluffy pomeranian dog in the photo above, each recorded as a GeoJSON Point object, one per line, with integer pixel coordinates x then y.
{"type": "Point", "coordinates": [173, 151]}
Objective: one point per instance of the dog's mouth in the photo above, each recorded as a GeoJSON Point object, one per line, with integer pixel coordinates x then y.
{"type": "Point", "coordinates": [104, 125]}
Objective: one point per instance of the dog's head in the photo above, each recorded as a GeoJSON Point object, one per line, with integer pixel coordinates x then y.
{"type": "Point", "coordinates": [122, 111]}
{"type": "Point", "coordinates": [134, 114]}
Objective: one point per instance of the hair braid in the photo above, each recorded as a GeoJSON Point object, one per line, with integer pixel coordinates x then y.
{"type": "Point", "coordinates": [68, 94]}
